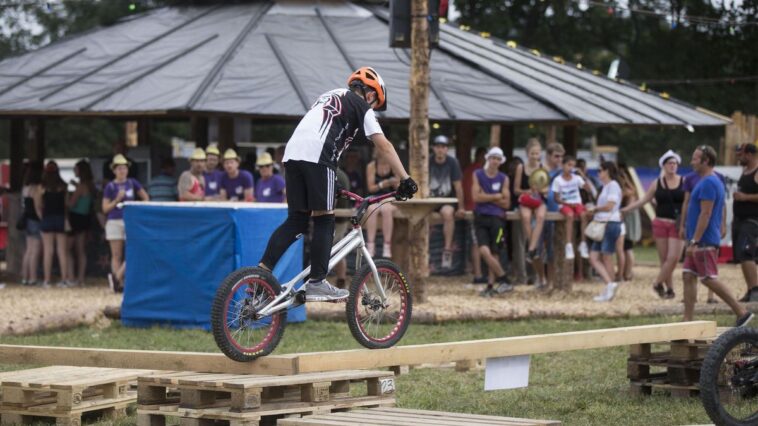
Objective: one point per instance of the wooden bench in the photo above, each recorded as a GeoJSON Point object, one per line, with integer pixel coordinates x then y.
{"type": "Point", "coordinates": [406, 417]}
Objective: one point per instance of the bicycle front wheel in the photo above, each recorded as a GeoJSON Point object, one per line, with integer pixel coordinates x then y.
{"type": "Point", "coordinates": [239, 331]}
{"type": "Point", "coordinates": [729, 378]}
{"type": "Point", "coordinates": [374, 323]}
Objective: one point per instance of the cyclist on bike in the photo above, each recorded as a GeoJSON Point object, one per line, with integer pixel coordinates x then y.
{"type": "Point", "coordinates": [338, 118]}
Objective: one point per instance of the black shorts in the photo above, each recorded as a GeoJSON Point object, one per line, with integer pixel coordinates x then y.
{"type": "Point", "coordinates": [79, 222]}
{"type": "Point", "coordinates": [490, 231]}
{"type": "Point", "coordinates": [744, 239]}
{"type": "Point", "coordinates": [310, 186]}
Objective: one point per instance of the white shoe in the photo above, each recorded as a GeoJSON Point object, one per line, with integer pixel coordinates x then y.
{"type": "Point", "coordinates": [371, 247]}
{"type": "Point", "coordinates": [584, 250]}
{"type": "Point", "coordinates": [447, 259]}
{"type": "Point", "coordinates": [608, 293]}
{"type": "Point", "coordinates": [324, 292]}
{"type": "Point", "coordinates": [387, 251]}
{"type": "Point", "coordinates": [569, 251]}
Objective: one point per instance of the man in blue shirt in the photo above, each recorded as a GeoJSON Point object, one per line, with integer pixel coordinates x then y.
{"type": "Point", "coordinates": [703, 234]}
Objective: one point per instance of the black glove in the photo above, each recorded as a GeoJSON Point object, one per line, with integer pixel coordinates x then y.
{"type": "Point", "coordinates": [407, 188]}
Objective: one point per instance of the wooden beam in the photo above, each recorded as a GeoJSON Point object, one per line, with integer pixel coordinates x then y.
{"type": "Point", "coordinates": [17, 137]}
{"type": "Point", "coordinates": [508, 140]}
{"type": "Point", "coordinates": [464, 140]}
{"type": "Point", "coordinates": [439, 353]}
{"type": "Point", "coordinates": [226, 134]}
{"type": "Point", "coordinates": [571, 139]}
{"type": "Point", "coordinates": [435, 353]}
{"type": "Point", "coordinates": [160, 360]}
{"type": "Point", "coordinates": [199, 125]}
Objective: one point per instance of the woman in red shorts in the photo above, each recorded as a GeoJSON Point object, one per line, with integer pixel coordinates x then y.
{"type": "Point", "coordinates": [668, 193]}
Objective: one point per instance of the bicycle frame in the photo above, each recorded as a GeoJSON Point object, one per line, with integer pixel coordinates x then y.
{"type": "Point", "coordinates": [353, 240]}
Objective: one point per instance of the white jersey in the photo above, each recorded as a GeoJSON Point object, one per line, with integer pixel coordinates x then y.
{"type": "Point", "coordinates": [338, 118]}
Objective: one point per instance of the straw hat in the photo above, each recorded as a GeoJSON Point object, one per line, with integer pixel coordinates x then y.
{"type": "Point", "coordinates": [231, 154]}
{"type": "Point", "coordinates": [119, 160]}
{"type": "Point", "coordinates": [198, 155]}
{"type": "Point", "coordinates": [213, 150]}
{"type": "Point", "coordinates": [264, 160]}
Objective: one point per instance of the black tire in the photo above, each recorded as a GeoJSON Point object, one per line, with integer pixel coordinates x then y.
{"type": "Point", "coordinates": [241, 293]}
{"type": "Point", "coordinates": [732, 356]}
{"type": "Point", "coordinates": [372, 325]}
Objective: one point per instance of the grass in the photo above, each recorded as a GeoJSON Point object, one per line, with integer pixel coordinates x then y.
{"type": "Point", "coordinates": [577, 388]}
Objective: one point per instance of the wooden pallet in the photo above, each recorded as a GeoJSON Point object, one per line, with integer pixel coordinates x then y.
{"type": "Point", "coordinates": [65, 393]}
{"type": "Point", "coordinates": [257, 399]}
{"type": "Point", "coordinates": [672, 367]}
{"type": "Point", "coordinates": [405, 417]}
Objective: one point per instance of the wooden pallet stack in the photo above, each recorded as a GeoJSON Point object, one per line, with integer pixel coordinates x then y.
{"type": "Point", "coordinates": [253, 400]}
{"type": "Point", "coordinates": [406, 417]}
{"type": "Point", "coordinates": [672, 367]}
{"type": "Point", "coordinates": [65, 393]}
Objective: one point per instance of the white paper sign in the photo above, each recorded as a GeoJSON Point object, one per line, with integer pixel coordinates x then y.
{"type": "Point", "coordinates": [509, 372]}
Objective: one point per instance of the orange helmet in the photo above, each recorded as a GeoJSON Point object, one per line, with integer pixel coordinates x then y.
{"type": "Point", "coordinates": [367, 77]}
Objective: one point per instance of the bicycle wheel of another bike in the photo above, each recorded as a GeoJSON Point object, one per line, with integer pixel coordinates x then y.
{"type": "Point", "coordinates": [239, 331]}
{"type": "Point", "coordinates": [375, 324]}
{"type": "Point", "coordinates": [729, 378]}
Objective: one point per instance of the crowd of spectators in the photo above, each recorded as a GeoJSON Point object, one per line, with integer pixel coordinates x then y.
{"type": "Point", "coordinates": [57, 221]}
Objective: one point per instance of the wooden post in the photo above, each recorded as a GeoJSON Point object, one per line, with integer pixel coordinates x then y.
{"type": "Point", "coordinates": [225, 133]}
{"type": "Point", "coordinates": [464, 139]}
{"type": "Point", "coordinates": [419, 141]}
{"type": "Point", "coordinates": [17, 154]}
{"type": "Point", "coordinates": [199, 127]}
{"type": "Point", "coordinates": [16, 240]}
{"type": "Point", "coordinates": [571, 139]}
{"type": "Point", "coordinates": [551, 134]}
{"type": "Point", "coordinates": [143, 132]}
{"type": "Point", "coordinates": [495, 135]}
{"type": "Point", "coordinates": [36, 140]}
{"type": "Point", "coordinates": [508, 140]}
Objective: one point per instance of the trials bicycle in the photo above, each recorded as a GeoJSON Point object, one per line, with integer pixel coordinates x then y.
{"type": "Point", "coordinates": [249, 311]}
{"type": "Point", "coordinates": [729, 378]}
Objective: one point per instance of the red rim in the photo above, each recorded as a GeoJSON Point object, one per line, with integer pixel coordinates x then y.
{"type": "Point", "coordinates": [274, 318]}
{"type": "Point", "coordinates": [403, 305]}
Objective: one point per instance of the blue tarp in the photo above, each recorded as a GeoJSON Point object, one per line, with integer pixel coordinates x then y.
{"type": "Point", "coordinates": [178, 255]}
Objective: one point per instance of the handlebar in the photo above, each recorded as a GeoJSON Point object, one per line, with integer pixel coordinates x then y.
{"type": "Point", "coordinates": [368, 200]}
{"type": "Point", "coordinates": [362, 203]}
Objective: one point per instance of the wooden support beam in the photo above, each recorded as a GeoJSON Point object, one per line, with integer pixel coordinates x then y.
{"type": "Point", "coordinates": [440, 353]}
{"type": "Point", "coordinates": [226, 134]}
{"type": "Point", "coordinates": [36, 140]}
{"type": "Point", "coordinates": [464, 140]}
{"type": "Point", "coordinates": [160, 360]}
{"type": "Point", "coordinates": [17, 138]}
{"type": "Point", "coordinates": [508, 140]}
{"type": "Point", "coordinates": [199, 129]}
{"type": "Point", "coordinates": [359, 359]}
{"type": "Point", "coordinates": [571, 139]}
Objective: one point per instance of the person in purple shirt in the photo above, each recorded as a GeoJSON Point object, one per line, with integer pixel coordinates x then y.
{"type": "Point", "coordinates": [236, 184]}
{"type": "Point", "coordinates": [270, 187]}
{"type": "Point", "coordinates": [491, 194]}
{"type": "Point", "coordinates": [120, 189]}
{"type": "Point", "coordinates": [212, 174]}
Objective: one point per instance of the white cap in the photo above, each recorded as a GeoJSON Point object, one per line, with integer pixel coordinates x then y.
{"type": "Point", "coordinates": [441, 140]}
{"type": "Point", "coordinates": [669, 154]}
{"type": "Point", "coordinates": [495, 152]}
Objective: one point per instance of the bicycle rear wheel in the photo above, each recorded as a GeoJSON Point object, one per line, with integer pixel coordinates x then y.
{"type": "Point", "coordinates": [729, 378]}
{"type": "Point", "coordinates": [374, 324]}
{"type": "Point", "coordinates": [239, 331]}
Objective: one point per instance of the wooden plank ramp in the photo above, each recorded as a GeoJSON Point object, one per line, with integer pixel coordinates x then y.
{"type": "Point", "coordinates": [436, 353]}
{"type": "Point", "coordinates": [257, 399]}
{"type": "Point", "coordinates": [65, 393]}
{"type": "Point", "coordinates": [406, 417]}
